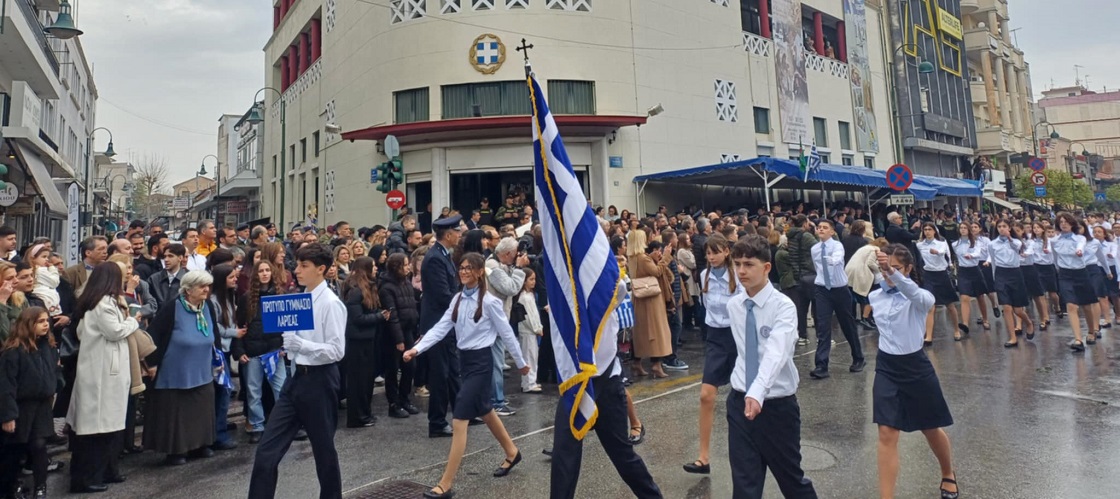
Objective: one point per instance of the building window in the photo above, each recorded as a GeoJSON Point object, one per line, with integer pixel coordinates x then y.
{"type": "Point", "coordinates": [845, 136]}
{"type": "Point", "coordinates": [303, 150]}
{"type": "Point", "coordinates": [450, 6]}
{"type": "Point", "coordinates": [571, 97]}
{"type": "Point", "coordinates": [482, 4]}
{"type": "Point", "coordinates": [315, 142]}
{"type": "Point", "coordinates": [727, 107]}
{"type": "Point", "coordinates": [274, 171]}
{"type": "Point", "coordinates": [570, 5]}
{"type": "Point", "coordinates": [762, 120]}
{"type": "Point", "coordinates": [292, 154]}
{"type": "Point", "coordinates": [411, 105]}
{"type": "Point", "coordinates": [869, 163]}
{"type": "Point", "coordinates": [820, 131]}
{"type": "Point", "coordinates": [751, 17]}
{"type": "Point", "coordinates": [847, 160]}
{"type": "Point", "coordinates": [517, 4]}
{"type": "Point", "coordinates": [501, 98]}
{"type": "Point", "coordinates": [407, 10]}
{"type": "Point", "coordinates": [825, 160]}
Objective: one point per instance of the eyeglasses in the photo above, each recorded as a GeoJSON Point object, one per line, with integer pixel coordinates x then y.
{"type": "Point", "coordinates": [466, 268]}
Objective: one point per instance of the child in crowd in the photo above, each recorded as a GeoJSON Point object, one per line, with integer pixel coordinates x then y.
{"type": "Point", "coordinates": [28, 381]}
{"type": "Point", "coordinates": [530, 330]}
{"type": "Point", "coordinates": [46, 278]}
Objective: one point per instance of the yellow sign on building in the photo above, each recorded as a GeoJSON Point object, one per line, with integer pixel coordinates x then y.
{"type": "Point", "coordinates": [949, 24]}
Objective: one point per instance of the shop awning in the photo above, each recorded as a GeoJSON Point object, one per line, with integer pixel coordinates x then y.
{"type": "Point", "coordinates": [1003, 203]}
{"type": "Point", "coordinates": [738, 174]}
{"type": "Point", "coordinates": [950, 186]}
{"type": "Point", "coordinates": [43, 182]}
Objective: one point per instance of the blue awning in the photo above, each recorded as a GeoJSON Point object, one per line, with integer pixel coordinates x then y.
{"type": "Point", "coordinates": [950, 186]}
{"type": "Point", "coordinates": [735, 174]}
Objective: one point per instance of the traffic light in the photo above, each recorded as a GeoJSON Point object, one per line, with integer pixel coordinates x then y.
{"type": "Point", "coordinates": [396, 171]}
{"type": "Point", "coordinates": [390, 174]}
{"type": "Point", "coordinates": [383, 184]}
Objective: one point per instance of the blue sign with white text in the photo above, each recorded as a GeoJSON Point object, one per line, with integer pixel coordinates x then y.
{"type": "Point", "coordinates": [616, 161]}
{"type": "Point", "coordinates": [373, 175]}
{"type": "Point", "coordinates": [285, 313]}
{"type": "Point", "coordinates": [1100, 197]}
{"type": "Point", "coordinates": [1040, 191]}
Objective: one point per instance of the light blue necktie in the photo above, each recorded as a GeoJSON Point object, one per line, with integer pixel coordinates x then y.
{"type": "Point", "coordinates": [752, 344]}
{"type": "Point", "coordinates": [824, 266]}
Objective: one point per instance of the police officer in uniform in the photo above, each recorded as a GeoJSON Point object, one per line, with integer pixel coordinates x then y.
{"type": "Point", "coordinates": [439, 278]}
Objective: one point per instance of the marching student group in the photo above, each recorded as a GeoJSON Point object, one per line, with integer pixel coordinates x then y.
{"type": "Point", "coordinates": [439, 303]}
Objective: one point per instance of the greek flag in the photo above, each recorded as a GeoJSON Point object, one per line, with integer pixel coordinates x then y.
{"type": "Point", "coordinates": [814, 160]}
{"type": "Point", "coordinates": [221, 376]}
{"type": "Point", "coordinates": [580, 273]}
{"type": "Point", "coordinates": [625, 313]}
{"type": "Point", "coordinates": [269, 361]}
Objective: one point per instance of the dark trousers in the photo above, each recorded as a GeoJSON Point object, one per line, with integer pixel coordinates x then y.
{"type": "Point", "coordinates": [674, 332]}
{"type": "Point", "coordinates": [397, 391]}
{"type": "Point", "coordinates": [361, 367]}
{"type": "Point", "coordinates": [802, 297]}
{"type": "Point", "coordinates": [309, 401]}
{"type": "Point", "coordinates": [546, 357]}
{"type": "Point", "coordinates": [772, 440]}
{"type": "Point", "coordinates": [838, 300]}
{"type": "Point", "coordinates": [10, 455]}
{"type": "Point", "coordinates": [443, 381]}
{"type": "Point", "coordinates": [94, 458]}
{"type": "Point", "coordinates": [221, 409]}
{"type": "Point", "coordinates": [612, 428]}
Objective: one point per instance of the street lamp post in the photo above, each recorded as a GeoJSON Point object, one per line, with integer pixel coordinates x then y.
{"type": "Point", "coordinates": [1034, 133]}
{"type": "Point", "coordinates": [217, 181]}
{"type": "Point", "coordinates": [256, 118]}
{"type": "Point", "coordinates": [1072, 160]}
{"type": "Point", "coordinates": [109, 189]}
{"type": "Point", "coordinates": [87, 178]}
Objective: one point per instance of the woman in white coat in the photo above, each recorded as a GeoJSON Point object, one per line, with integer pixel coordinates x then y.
{"type": "Point", "coordinates": [862, 269]}
{"type": "Point", "coordinates": [99, 404]}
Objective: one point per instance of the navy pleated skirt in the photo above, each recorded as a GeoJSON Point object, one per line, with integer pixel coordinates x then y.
{"type": "Point", "coordinates": [1048, 277]}
{"type": "Point", "coordinates": [1098, 280]}
{"type": "Point", "coordinates": [971, 282]}
{"type": "Point", "coordinates": [1074, 286]}
{"type": "Point", "coordinates": [907, 394]}
{"type": "Point", "coordinates": [1031, 279]}
{"type": "Point", "coordinates": [940, 285]}
{"type": "Point", "coordinates": [1010, 288]}
{"type": "Point", "coordinates": [476, 368]}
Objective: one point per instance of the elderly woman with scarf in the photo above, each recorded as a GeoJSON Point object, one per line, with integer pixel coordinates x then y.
{"type": "Point", "coordinates": [180, 417]}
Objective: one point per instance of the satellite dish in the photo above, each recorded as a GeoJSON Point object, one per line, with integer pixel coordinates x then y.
{"type": "Point", "coordinates": [392, 146]}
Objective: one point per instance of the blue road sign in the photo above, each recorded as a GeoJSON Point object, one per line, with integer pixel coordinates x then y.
{"type": "Point", "coordinates": [287, 313]}
{"type": "Point", "coordinates": [1037, 164]}
{"type": "Point", "coordinates": [1100, 197]}
{"type": "Point", "coordinates": [899, 177]}
{"type": "Point", "coordinates": [373, 175]}
{"type": "Point", "coordinates": [1040, 191]}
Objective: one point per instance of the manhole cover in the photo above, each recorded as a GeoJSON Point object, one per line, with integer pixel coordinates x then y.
{"type": "Point", "coordinates": [399, 489]}
{"type": "Point", "coordinates": [816, 458]}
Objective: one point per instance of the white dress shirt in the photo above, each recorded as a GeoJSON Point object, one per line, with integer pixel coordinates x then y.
{"type": "Point", "coordinates": [834, 258]}
{"type": "Point", "coordinates": [326, 344]}
{"type": "Point", "coordinates": [195, 261]}
{"type": "Point", "coordinates": [1005, 252]}
{"type": "Point", "coordinates": [1043, 252]}
{"type": "Point", "coordinates": [1092, 254]}
{"type": "Point", "coordinates": [901, 314]}
{"type": "Point", "coordinates": [471, 335]}
{"type": "Point", "coordinates": [776, 320]}
{"type": "Point", "coordinates": [719, 293]}
{"type": "Point", "coordinates": [967, 256]}
{"type": "Point", "coordinates": [930, 261]}
{"type": "Point", "coordinates": [1065, 248]}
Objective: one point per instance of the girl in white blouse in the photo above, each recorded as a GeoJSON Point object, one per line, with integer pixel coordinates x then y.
{"type": "Point", "coordinates": [935, 279]}
{"type": "Point", "coordinates": [479, 319]}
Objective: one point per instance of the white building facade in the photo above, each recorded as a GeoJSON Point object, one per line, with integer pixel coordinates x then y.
{"type": "Point", "coordinates": [445, 78]}
{"type": "Point", "coordinates": [50, 102]}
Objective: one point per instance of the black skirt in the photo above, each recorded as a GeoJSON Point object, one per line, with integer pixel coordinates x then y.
{"type": "Point", "coordinates": [907, 394]}
{"type": "Point", "coordinates": [940, 285]}
{"type": "Point", "coordinates": [179, 421]}
{"type": "Point", "coordinates": [1048, 277]}
{"type": "Point", "coordinates": [35, 421]}
{"type": "Point", "coordinates": [1113, 285]}
{"type": "Point", "coordinates": [1010, 288]}
{"type": "Point", "coordinates": [476, 368]}
{"type": "Point", "coordinates": [971, 281]}
{"type": "Point", "coordinates": [1098, 280]}
{"type": "Point", "coordinates": [1074, 286]}
{"type": "Point", "coordinates": [1031, 279]}
{"type": "Point", "coordinates": [719, 356]}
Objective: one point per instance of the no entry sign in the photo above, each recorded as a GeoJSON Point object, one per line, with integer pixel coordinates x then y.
{"type": "Point", "coordinates": [395, 199]}
{"type": "Point", "coordinates": [899, 177]}
{"type": "Point", "coordinates": [1038, 179]}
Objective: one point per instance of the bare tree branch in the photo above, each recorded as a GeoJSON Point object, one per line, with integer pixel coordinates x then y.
{"type": "Point", "coordinates": [151, 182]}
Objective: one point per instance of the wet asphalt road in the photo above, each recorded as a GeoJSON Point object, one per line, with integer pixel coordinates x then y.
{"type": "Point", "coordinates": [1031, 422]}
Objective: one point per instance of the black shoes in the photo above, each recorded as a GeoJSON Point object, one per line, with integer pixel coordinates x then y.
{"type": "Point", "coordinates": [698, 468]}
{"type": "Point", "coordinates": [301, 435]}
{"type": "Point", "coordinates": [857, 366]}
{"type": "Point", "coordinates": [504, 470]}
{"type": "Point", "coordinates": [227, 445]}
{"type": "Point", "coordinates": [409, 408]}
{"type": "Point", "coordinates": [442, 494]}
{"type": "Point", "coordinates": [365, 423]}
{"type": "Point", "coordinates": [547, 452]}
{"type": "Point", "coordinates": [202, 453]}
{"type": "Point", "coordinates": [475, 422]}
{"type": "Point", "coordinates": [116, 479]}
{"type": "Point", "coordinates": [88, 489]}
{"type": "Point", "coordinates": [819, 373]}
{"type": "Point", "coordinates": [641, 436]}
{"type": "Point", "coordinates": [255, 437]}
{"type": "Point", "coordinates": [175, 460]}
{"type": "Point", "coordinates": [397, 412]}
{"type": "Point", "coordinates": [442, 432]}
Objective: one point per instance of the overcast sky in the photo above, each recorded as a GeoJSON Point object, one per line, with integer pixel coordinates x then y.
{"type": "Point", "coordinates": [166, 70]}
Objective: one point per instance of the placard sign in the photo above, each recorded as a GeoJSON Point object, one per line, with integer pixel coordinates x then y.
{"type": "Point", "coordinates": [285, 313]}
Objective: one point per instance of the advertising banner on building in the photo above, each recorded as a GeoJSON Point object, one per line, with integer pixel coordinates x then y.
{"type": "Point", "coordinates": [863, 102]}
{"type": "Point", "coordinates": [793, 88]}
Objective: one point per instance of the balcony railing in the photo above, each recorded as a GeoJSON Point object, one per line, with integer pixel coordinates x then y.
{"type": "Point", "coordinates": [37, 31]}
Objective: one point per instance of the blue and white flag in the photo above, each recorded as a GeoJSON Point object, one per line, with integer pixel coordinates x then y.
{"type": "Point", "coordinates": [580, 272]}
{"type": "Point", "coordinates": [221, 370]}
{"type": "Point", "coordinates": [269, 362]}
{"type": "Point", "coordinates": [814, 160]}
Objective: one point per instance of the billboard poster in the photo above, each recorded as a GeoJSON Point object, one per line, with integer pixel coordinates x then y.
{"type": "Point", "coordinates": [793, 88]}
{"type": "Point", "coordinates": [863, 102]}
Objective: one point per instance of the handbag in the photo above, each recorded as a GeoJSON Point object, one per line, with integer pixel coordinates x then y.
{"type": "Point", "coordinates": [645, 287]}
{"type": "Point", "coordinates": [68, 344]}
